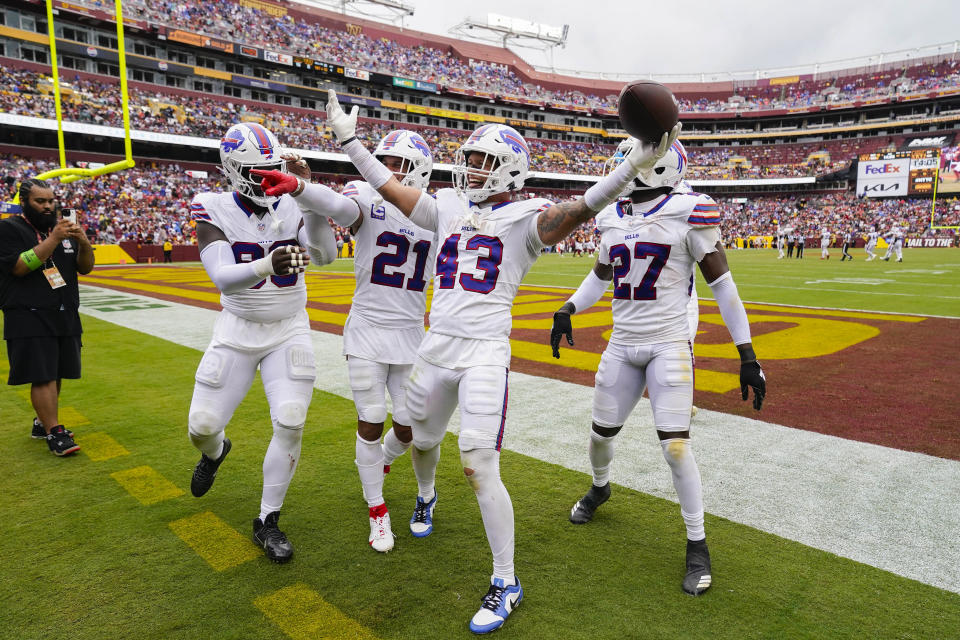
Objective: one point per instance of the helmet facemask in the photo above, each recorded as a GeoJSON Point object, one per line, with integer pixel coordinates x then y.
{"type": "Point", "coordinates": [502, 165]}
{"type": "Point", "coordinates": [238, 173]}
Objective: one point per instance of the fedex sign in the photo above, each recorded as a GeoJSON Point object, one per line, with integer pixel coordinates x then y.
{"type": "Point", "coordinates": [881, 169]}
{"type": "Point", "coordinates": [883, 177]}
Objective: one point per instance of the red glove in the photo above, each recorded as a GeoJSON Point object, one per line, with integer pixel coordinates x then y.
{"type": "Point", "coordinates": [276, 183]}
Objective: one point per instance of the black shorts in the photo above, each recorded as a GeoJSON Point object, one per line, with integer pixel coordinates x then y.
{"type": "Point", "coordinates": [42, 359]}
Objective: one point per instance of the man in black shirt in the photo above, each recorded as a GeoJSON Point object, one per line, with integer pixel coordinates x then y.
{"type": "Point", "coordinates": [40, 257]}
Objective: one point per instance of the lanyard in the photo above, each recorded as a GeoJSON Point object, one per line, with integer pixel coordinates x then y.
{"type": "Point", "coordinates": [40, 238]}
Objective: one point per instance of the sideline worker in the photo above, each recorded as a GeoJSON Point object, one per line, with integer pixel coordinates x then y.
{"type": "Point", "coordinates": [40, 257]}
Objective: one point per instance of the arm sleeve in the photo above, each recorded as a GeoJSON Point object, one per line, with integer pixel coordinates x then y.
{"type": "Point", "coordinates": [425, 214]}
{"type": "Point", "coordinates": [731, 308]}
{"type": "Point", "coordinates": [319, 199]}
{"type": "Point", "coordinates": [319, 239]}
{"type": "Point", "coordinates": [589, 293]}
{"type": "Point", "coordinates": [229, 275]}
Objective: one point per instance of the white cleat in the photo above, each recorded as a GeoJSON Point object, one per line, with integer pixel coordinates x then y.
{"type": "Point", "coordinates": [694, 411]}
{"type": "Point", "coordinates": [381, 536]}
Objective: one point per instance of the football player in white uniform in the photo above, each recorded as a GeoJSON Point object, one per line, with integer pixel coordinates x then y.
{"type": "Point", "coordinates": [871, 244]}
{"type": "Point", "coordinates": [649, 248]}
{"type": "Point", "coordinates": [488, 242]}
{"type": "Point", "coordinates": [252, 247]}
{"type": "Point", "coordinates": [894, 239]}
{"type": "Point", "coordinates": [393, 264]}
{"type": "Point", "coordinates": [824, 243]}
{"type": "Point", "coordinates": [781, 241]}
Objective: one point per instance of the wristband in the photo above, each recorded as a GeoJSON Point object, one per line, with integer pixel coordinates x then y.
{"type": "Point", "coordinates": [30, 259]}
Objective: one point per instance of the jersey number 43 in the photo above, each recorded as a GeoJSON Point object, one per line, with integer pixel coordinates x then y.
{"type": "Point", "coordinates": [448, 263]}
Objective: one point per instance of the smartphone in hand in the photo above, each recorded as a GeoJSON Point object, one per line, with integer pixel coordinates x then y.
{"type": "Point", "coordinates": [69, 214]}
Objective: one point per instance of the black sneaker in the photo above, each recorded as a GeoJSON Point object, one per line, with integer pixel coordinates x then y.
{"type": "Point", "coordinates": [274, 542]}
{"type": "Point", "coordinates": [698, 577]}
{"type": "Point", "coordinates": [60, 442]}
{"type": "Point", "coordinates": [206, 471]}
{"type": "Point", "coordinates": [582, 512]}
{"type": "Point", "coordinates": [39, 433]}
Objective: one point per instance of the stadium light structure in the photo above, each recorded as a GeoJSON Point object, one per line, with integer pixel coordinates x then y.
{"type": "Point", "coordinates": [506, 31]}
{"type": "Point", "coordinates": [392, 11]}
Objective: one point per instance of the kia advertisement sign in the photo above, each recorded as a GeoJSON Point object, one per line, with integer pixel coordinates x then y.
{"type": "Point", "coordinates": [883, 176]}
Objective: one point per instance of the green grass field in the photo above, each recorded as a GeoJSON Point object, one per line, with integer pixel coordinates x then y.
{"type": "Point", "coordinates": [82, 558]}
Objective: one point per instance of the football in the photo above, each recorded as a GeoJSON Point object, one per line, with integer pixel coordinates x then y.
{"type": "Point", "coordinates": [647, 110]}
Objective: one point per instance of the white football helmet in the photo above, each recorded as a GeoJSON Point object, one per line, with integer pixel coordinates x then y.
{"type": "Point", "coordinates": [508, 154]}
{"type": "Point", "coordinates": [415, 153]}
{"type": "Point", "coordinates": [247, 146]}
{"type": "Point", "coordinates": [668, 172]}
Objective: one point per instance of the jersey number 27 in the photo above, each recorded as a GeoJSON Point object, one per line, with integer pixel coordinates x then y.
{"type": "Point", "coordinates": [647, 289]}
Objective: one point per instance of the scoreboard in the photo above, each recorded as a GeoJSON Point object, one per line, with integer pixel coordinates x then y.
{"type": "Point", "coordinates": [898, 173]}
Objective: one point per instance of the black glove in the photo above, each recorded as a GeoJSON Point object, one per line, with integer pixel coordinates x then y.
{"type": "Point", "coordinates": [751, 376]}
{"type": "Point", "coordinates": [561, 327]}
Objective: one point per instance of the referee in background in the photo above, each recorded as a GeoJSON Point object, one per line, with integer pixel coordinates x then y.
{"type": "Point", "coordinates": [40, 257]}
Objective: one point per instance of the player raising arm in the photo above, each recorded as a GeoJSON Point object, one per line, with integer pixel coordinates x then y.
{"type": "Point", "coordinates": [487, 243]}
{"type": "Point", "coordinates": [393, 264]}
{"type": "Point", "coordinates": [649, 245]}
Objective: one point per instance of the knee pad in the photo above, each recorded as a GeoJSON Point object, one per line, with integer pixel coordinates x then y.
{"type": "Point", "coordinates": [675, 450]}
{"type": "Point", "coordinates": [485, 464]}
{"type": "Point", "coordinates": [368, 382]}
{"type": "Point", "coordinates": [204, 423]}
{"type": "Point", "coordinates": [291, 415]}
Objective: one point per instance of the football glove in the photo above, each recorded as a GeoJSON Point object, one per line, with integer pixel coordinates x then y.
{"type": "Point", "coordinates": [646, 155]}
{"type": "Point", "coordinates": [751, 377]}
{"type": "Point", "coordinates": [561, 327]}
{"type": "Point", "coordinates": [344, 126]}
{"type": "Point", "coordinates": [276, 183]}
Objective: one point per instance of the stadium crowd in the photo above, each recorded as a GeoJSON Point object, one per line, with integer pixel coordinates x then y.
{"type": "Point", "coordinates": [250, 25]}
{"type": "Point", "coordinates": [150, 204]}
{"type": "Point", "coordinates": [30, 93]}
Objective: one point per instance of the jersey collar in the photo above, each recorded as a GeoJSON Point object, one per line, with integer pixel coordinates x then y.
{"type": "Point", "coordinates": [638, 206]}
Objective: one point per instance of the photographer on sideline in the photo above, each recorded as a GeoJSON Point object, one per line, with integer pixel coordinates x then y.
{"type": "Point", "coordinates": [40, 257]}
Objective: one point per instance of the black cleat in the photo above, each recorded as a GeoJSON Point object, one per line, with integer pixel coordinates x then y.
{"type": "Point", "coordinates": [698, 577]}
{"type": "Point", "coordinates": [206, 471]}
{"type": "Point", "coordinates": [274, 542]}
{"type": "Point", "coordinates": [582, 512]}
{"type": "Point", "coordinates": [60, 443]}
{"type": "Point", "coordinates": [39, 433]}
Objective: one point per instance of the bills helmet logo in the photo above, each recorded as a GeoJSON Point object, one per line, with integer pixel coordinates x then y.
{"type": "Point", "coordinates": [420, 144]}
{"type": "Point", "coordinates": [391, 140]}
{"type": "Point", "coordinates": [516, 142]}
{"type": "Point", "coordinates": [231, 141]}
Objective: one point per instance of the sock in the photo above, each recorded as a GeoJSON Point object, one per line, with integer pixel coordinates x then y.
{"type": "Point", "coordinates": [601, 455]}
{"type": "Point", "coordinates": [393, 447]}
{"type": "Point", "coordinates": [370, 467]}
{"type": "Point", "coordinates": [278, 467]}
{"type": "Point", "coordinates": [495, 508]}
{"type": "Point", "coordinates": [686, 481]}
{"type": "Point", "coordinates": [210, 446]}
{"type": "Point", "coordinates": [425, 468]}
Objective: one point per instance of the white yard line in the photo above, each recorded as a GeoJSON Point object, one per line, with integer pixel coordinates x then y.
{"type": "Point", "coordinates": [885, 507]}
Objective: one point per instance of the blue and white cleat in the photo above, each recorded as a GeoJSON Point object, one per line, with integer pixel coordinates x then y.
{"type": "Point", "coordinates": [500, 601]}
{"type": "Point", "coordinates": [421, 524]}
